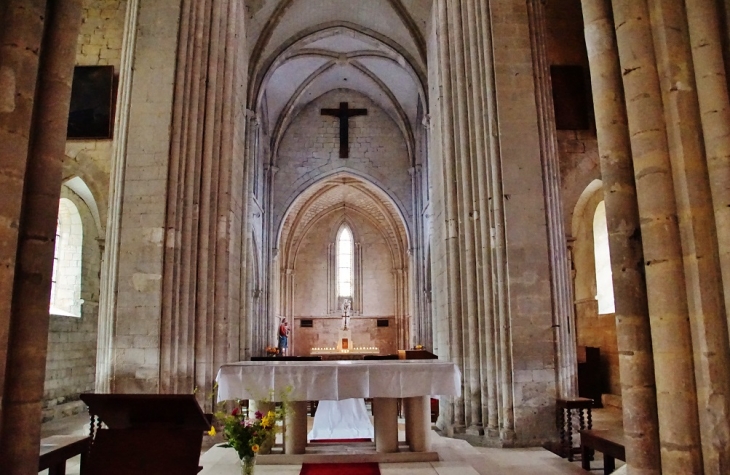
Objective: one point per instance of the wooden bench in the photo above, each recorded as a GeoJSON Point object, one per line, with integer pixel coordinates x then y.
{"type": "Point", "coordinates": [56, 450]}
{"type": "Point", "coordinates": [611, 443]}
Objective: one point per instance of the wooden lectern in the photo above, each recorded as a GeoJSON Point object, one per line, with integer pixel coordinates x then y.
{"type": "Point", "coordinates": [145, 434]}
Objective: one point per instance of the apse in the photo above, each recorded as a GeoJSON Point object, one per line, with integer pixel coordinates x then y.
{"type": "Point", "coordinates": [344, 242]}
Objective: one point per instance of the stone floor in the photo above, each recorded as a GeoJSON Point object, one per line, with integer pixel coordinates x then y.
{"type": "Point", "coordinates": [457, 456]}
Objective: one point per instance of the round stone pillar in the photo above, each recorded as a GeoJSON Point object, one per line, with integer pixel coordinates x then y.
{"type": "Point", "coordinates": [636, 363]}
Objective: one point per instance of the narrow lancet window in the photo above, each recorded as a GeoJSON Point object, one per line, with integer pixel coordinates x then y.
{"type": "Point", "coordinates": [604, 280]}
{"type": "Point", "coordinates": [345, 259]}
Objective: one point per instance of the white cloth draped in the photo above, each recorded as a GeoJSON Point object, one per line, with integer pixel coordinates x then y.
{"type": "Point", "coordinates": [337, 380]}
{"type": "Point", "coordinates": [346, 419]}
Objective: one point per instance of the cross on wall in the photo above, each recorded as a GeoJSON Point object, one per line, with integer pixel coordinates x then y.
{"type": "Point", "coordinates": [344, 113]}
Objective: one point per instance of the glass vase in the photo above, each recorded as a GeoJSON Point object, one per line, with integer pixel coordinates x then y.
{"type": "Point", "coordinates": [247, 465]}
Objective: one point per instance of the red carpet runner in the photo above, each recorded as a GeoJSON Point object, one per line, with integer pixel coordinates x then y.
{"type": "Point", "coordinates": [340, 469]}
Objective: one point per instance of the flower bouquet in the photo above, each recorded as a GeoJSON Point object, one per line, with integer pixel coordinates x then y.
{"type": "Point", "coordinates": [248, 436]}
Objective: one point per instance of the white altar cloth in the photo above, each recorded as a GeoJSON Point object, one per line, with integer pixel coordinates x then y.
{"type": "Point", "coordinates": [346, 419]}
{"type": "Point", "coordinates": [337, 380]}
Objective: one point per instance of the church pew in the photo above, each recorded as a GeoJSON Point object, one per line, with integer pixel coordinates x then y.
{"type": "Point", "coordinates": [610, 443]}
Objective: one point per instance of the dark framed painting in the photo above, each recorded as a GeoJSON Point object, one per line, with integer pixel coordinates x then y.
{"type": "Point", "coordinates": [91, 115]}
{"type": "Point", "coordinates": [570, 97]}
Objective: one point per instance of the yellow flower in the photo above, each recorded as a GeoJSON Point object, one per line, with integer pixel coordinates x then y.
{"type": "Point", "coordinates": [255, 448]}
{"type": "Point", "coordinates": [268, 420]}
{"type": "Point", "coordinates": [211, 432]}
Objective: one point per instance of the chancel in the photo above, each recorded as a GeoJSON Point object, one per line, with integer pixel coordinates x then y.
{"type": "Point", "coordinates": [533, 192]}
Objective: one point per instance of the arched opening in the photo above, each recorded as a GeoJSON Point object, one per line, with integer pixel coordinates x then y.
{"type": "Point", "coordinates": [343, 245]}
{"type": "Point", "coordinates": [593, 286]}
{"type": "Point", "coordinates": [66, 278]}
{"type": "Point", "coordinates": [345, 263]}
{"type": "Point", "coordinates": [602, 256]}
{"type": "Point", "coordinates": [71, 352]}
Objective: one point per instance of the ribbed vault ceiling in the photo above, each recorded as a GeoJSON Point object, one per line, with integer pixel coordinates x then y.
{"type": "Point", "coordinates": [342, 193]}
{"type": "Point", "coordinates": [300, 52]}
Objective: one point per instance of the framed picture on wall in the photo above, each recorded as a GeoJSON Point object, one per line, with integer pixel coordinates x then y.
{"type": "Point", "coordinates": [91, 114]}
{"type": "Point", "coordinates": [570, 97]}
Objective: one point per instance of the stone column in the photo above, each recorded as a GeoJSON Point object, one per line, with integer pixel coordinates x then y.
{"type": "Point", "coordinates": [564, 320]}
{"type": "Point", "coordinates": [478, 34]}
{"type": "Point", "coordinates": [711, 77]}
{"type": "Point", "coordinates": [697, 231]}
{"type": "Point", "coordinates": [474, 244]}
{"type": "Point", "coordinates": [500, 401]}
{"type": "Point", "coordinates": [20, 41]}
{"type": "Point", "coordinates": [385, 415]}
{"type": "Point", "coordinates": [110, 263]}
{"type": "Point", "coordinates": [453, 275]}
{"type": "Point", "coordinates": [622, 215]}
{"type": "Point", "coordinates": [27, 340]}
{"type": "Point", "coordinates": [670, 329]}
{"type": "Point", "coordinates": [295, 436]}
{"type": "Point", "coordinates": [464, 139]}
{"type": "Point", "coordinates": [202, 262]}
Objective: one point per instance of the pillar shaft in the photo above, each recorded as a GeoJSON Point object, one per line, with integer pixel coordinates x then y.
{"type": "Point", "coordinates": [454, 303]}
{"type": "Point", "coordinates": [20, 42]}
{"type": "Point", "coordinates": [560, 282]}
{"type": "Point", "coordinates": [697, 230]}
{"type": "Point", "coordinates": [501, 404]}
{"type": "Point", "coordinates": [711, 78]}
{"type": "Point", "coordinates": [636, 365]}
{"type": "Point", "coordinates": [670, 329]}
{"type": "Point", "coordinates": [465, 192]}
{"type": "Point", "coordinates": [202, 261]}
{"type": "Point", "coordinates": [480, 56]}
{"type": "Point", "coordinates": [110, 263]}
{"type": "Point", "coordinates": [28, 337]}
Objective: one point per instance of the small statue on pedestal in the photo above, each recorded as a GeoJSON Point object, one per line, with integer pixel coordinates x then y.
{"type": "Point", "coordinates": [283, 337]}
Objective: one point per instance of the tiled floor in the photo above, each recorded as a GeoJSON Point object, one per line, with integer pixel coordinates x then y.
{"type": "Point", "coordinates": [457, 456]}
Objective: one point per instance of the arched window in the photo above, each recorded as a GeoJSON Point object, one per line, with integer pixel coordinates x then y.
{"type": "Point", "coordinates": [345, 262]}
{"type": "Point", "coordinates": [66, 280]}
{"type": "Point", "coordinates": [604, 280]}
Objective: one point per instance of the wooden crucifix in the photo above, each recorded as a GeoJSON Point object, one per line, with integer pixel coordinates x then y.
{"type": "Point", "coordinates": [344, 114]}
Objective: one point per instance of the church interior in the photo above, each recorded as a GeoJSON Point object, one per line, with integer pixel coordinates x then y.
{"type": "Point", "coordinates": [537, 191]}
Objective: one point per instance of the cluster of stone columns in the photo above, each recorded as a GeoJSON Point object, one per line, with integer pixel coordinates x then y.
{"type": "Point", "coordinates": [201, 295]}
{"type": "Point", "coordinates": [661, 108]}
{"type": "Point", "coordinates": [469, 161]}
{"type": "Point", "coordinates": [37, 54]}
{"type": "Point", "coordinates": [560, 280]}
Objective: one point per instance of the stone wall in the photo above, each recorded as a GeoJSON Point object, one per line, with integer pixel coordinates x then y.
{"type": "Point", "coordinates": [100, 43]}
{"type": "Point", "coordinates": [312, 260]}
{"type": "Point", "coordinates": [70, 365]}
{"type": "Point", "coordinates": [579, 166]}
{"type": "Point", "coordinates": [325, 332]}
{"type": "Point", "coordinates": [310, 151]}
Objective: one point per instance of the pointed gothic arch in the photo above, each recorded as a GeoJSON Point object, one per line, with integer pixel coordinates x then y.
{"type": "Point", "coordinates": [308, 259]}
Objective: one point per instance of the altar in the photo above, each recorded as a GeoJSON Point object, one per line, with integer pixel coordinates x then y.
{"type": "Point", "coordinates": [385, 382]}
